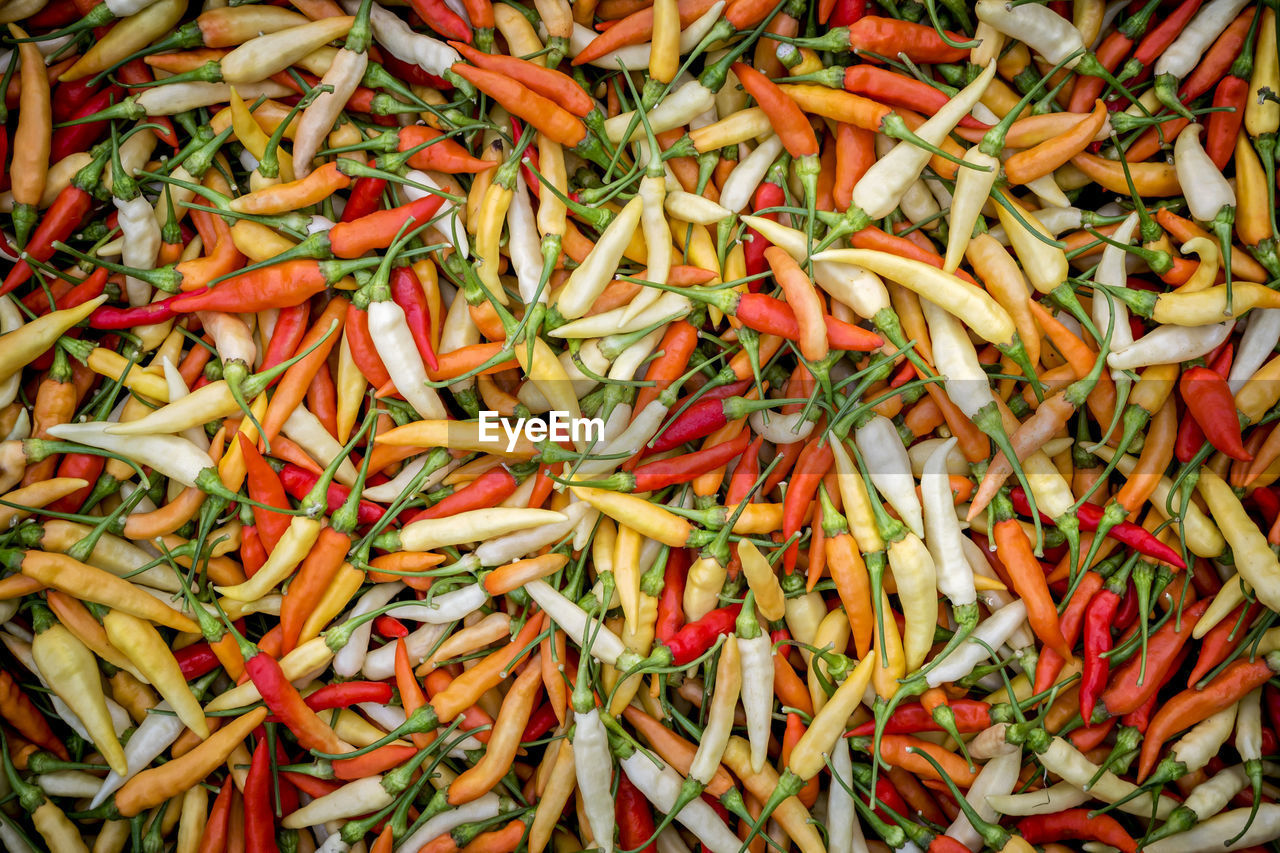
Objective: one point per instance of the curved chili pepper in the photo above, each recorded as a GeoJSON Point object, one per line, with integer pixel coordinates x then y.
{"type": "Point", "coordinates": [635, 818]}
{"type": "Point", "coordinates": [265, 488]}
{"type": "Point", "coordinates": [881, 84]}
{"type": "Point", "coordinates": [488, 490]}
{"type": "Point", "coordinates": [365, 198]}
{"type": "Point", "coordinates": [696, 637]}
{"type": "Point", "coordinates": [671, 602]}
{"type": "Point", "coordinates": [1134, 535]}
{"type": "Point", "coordinates": [406, 291]}
{"type": "Point", "coordinates": [111, 317]}
{"type": "Point", "coordinates": [298, 482]}
{"type": "Point", "coordinates": [1076, 824]}
{"type": "Point", "coordinates": [363, 352]}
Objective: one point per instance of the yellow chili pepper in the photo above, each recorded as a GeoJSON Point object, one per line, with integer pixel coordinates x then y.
{"type": "Point", "coordinates": [149, 652]}
{"type": "Point", "coordinates": [93, 584]}
{"type": "Point", "coordinates": [72, 673]}
{"type": "Point", "coordinates": [128, 37]}
{"type": "Point", "coordinates": [24, 344]}
{"type": "Point", "coordinates": [762, 580]}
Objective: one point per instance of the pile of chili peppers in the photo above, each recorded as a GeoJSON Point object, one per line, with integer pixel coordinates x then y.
{"type": "Point", "coordinates": [639, 425]}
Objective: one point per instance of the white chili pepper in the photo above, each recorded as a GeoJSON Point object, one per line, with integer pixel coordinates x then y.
{"type": "Point", "coordinates": [882, 187]}
{"type": "Point", "coordinates": [498, 550]}
{"type": "Point", "coordinates": [381, 662]}
{"type": "Point", "coordinates": [860, 289]}
{"type": "Point", "coordinates": [153, 736]}
{"type": "Point", "coordinates": [844, 830]}
{"type": "Point", "coordinates": [1110, 315]}
{"type": "Point", "coordinates": [1169, 345]}
{"type": "Point", "coordinates": [741, 184]}
{"type": "Point", "coordinates": [697, 209]}
{"type": "Point", "coordinates": [1183, 55]}
{"type": "Point", "coordinates": [660, 785]}
{"type": "Point", "coordinates": [171, 456]}
{"type": "Point", "coordinates": [349, 658]}
{"type": "Point", "coordinates": [993, 631]}
{"type": "Point", "coordinates": [1060, 757]}
{"type": "Point", "coordinates": [395, 345]}
{"type": "Point", "coordinates": [997, 777]}
{"type": "Point", "coordinates": [524, 246]}
{"type": "Point", "coordinates": [393, 488]}
{"type": "Point", "coordinates": [593, 766]}
{"type": "Point", "coordinates": [141, 234]}
{"type": "Point", "coordinates": [1255, 346]}
{"type": "Point", "coordinates": [1039, 27]}
{"type": "Point", "coordinates": [479, 809]}
{"type": "Point", "coordinates": [390, 31]}
{"type": "Point", "coordinates": [317, 119]}
{"type": "Point", "coordinates": [782, 428]}
{"type": "Point", "coordinates": [605, 646]}
{"type": "Point", "coordinates": [10, 319]}
{"type": "Point", "coordinates": [592, 276]}
{"type": "Point", "coordinates": [446, 222]}
{"type": "Point", "coordinates": [1211, 834]}
{"type": "Point", "coordinates": [890, 468]}
{"type": "Point", "coordinates": [354, 798]}
{"type": "Point", "coordinates": [676, 110]}
{"type": "Point", "coordinates": [942, 533]}
{"type": "Point", "coordinates": [306, 429]}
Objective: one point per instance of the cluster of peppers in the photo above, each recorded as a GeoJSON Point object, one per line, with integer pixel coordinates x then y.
{"type": "Point", "coordinates": [919, 369]}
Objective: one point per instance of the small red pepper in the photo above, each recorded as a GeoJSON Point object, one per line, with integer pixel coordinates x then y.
{"type": "Point", "coordinates": [696, 637]}
{"type": "Point", "coordinates": [298, 482]}
{"type": "Point", "coordinates": [1211, 403]}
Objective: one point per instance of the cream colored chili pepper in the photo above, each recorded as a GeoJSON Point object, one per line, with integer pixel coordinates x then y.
{"type": "Point", "coordinates": [293, 547]}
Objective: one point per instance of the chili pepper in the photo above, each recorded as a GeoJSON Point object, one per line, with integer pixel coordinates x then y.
{"type": "Point", "coordinates": [1133, 535]}
{"type": "Point", "coordinates": [1076, 823]}
{"type": "Point", "coordinates": [694, 638]}
{"type": "Point", "coordinates": [299, 481]}
{"type": "Point", "coordinates": [1098, 619]}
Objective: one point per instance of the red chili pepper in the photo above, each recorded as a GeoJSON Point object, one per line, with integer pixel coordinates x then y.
{"type": "Point", "coordinates": [1050, 662]}
{"type": "Point", "coordinates": [889, 37]}
{"type": "Point", "coordinates": [679, 469]}
{"type": "Point", "coordinates": [971, 716]}
{"type": "Point", "coordinates": [1098, 619]}
{"type": "Point", "coordinates": [113, 317]}
{"type": "Point", "coordinates": [363, 352]}
{"type": "Point", "coordinates": [847, 12]}
{"type": "Point", "coordinates": [69, 96]}
{"type": "Point", "coordinates": [1154, 43]}
{"type": "Point", "coordinates": [634, 816]}
{"type": "Point", "coordinates": [1222, 126]}
{"type": "Point", "coordinates": [775, 317]}
{"type": "Point", "coordinates": [217, 828]}
{"type": "Point", "coordinates": [58, 223]}
{"type": "Point", "coordinates": [407, 292]}
{"type": "Point", "coordinates": [488, 490]}
{"type": "Point", "coordinates": [699, 420]}
{"type": "Point", "coordinates": [298, 481]}
{"type": "Point", "coordinates": [410, 72]}
{"type": "Point", "coordinates": [671, 601]}
{"type": "Point", "coordinates": [389, 627]}
{"type": "Point", "coordinates": [745, 473]}
{"type": "Point", "coordinates": [768, 195]}
{"type": "Point", "coordinates": [437, 15]}
{"type": "Point", "coordinates": [365, 198]}
{"type": "Point", "coordinates": [290, 329]}
{"type": "Point", "coordinates": [1222, 640]}
{"type": "Point", "coordinates": [1076, 825]}
{"type": "Point", "coordinates": [540, 722]}
{"type": "Point", "coordinates": [196, 660]}
{"type": "Point", "coordinates": [1211, 403]}
{"type": "Point", "coordinates": [74, 138]}
{"type": "Point", "coordinates": [696, 637]}
{"type": "Point", "coordinates": [80, 466]}
{"type": "Point", "coordinates": [285, 702]}
{"type": "Point", "coordinates": [1133, 684]}
{"type": "Point", "coordinates": [1133, 535]}
{"type": "Point", "coordinates": [812, 465]}
{"type": "Point", "coordinates": [57, 14]}
{"type": "Point", "coordinates": [265, 487]}
{"type": "Point", "coordinates": [253, 554]}
{"type": "Point", "coordinates": [349, 693]}
{"type": "Point", "coordinates": [259, 817]}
